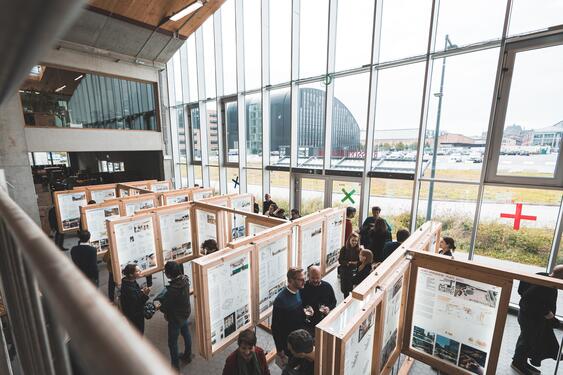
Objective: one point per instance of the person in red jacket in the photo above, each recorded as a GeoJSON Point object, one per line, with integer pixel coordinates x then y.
{"type": "Point", "coordinates": [248, 359]}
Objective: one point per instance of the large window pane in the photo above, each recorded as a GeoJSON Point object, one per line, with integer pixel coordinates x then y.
{"type": "Point", "coordinates": [228, 30]}
{"type": "Point", "coordinates": [198, 175]}
{"type": "Point", "coordinates": [530, 15]}
{"type": "Point", "coordinates": [404, 28]}
{"type": "Point", "coordinates": [280, 126]}
{"type": "Point", "coordinates": [312, 195]}
{"type": "Point", "coordinates": [230, 118]}
{"type": "Point", "coordinates": [279, 189]}
{"type": "Point", "coordinates": [394, 197]}
{"type": "Point", "coordinates": [354, 31]}
{"type": "Point", "coordinates": [280, 41]}
{"type": "Point", "coordinates": [192, 68]}
{"type": "Point", "coordinates": [181, 134]}
{"type": "Point", "coordinates": [313, 37]}
{"type": "Point", "coordinates": [254, 130]}
{"type": "Point", "coordinates": [254, 184]}
{"type": "Point", "coordinates": [212, 133]}
{"type": "Point", "coordinates": [310, 123]}
{"type": "Point", "coordinates": [459, 110]}
{"type": "Point", "coordinates": [177, 79]}
{"type": "Point", "coordinates": [214, 179]}
{"type": "Point", "coordinates": [457, 19]}
{"type": "Point", "coordinates": [233, 180]}
{"type": "Point", "coordinates": [209, 57]}
{"type": "Point", "coordinates": [252, 44]}
{"type": "Point", "coordinates": [397, 118]}
{"type": "Point", "coordinates": [349, 119]}
{"type": "Point", "coordinates": [195, 131]}
{"type": "Point", "coordinates": [533, 126]}
{"type": "Point", "coordinates": [347, 194]}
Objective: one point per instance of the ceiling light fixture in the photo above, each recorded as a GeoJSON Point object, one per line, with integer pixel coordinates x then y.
{"type": "Point", "coordinates": [80, 76]}
{"type": "Point", "coordinates": [187, 10]}
{"type": "Point", "coordinates": [60, 88]}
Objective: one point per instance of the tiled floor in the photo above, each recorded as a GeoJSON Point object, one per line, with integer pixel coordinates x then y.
{"type": "Point", "coordinates": [156, 333]}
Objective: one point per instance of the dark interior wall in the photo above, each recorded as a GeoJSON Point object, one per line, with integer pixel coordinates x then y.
{"type": "Point", "coordinates": [139, 165]}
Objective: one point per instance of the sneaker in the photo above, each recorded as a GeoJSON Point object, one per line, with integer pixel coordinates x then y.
{"type": "Point", "coordinates": [521, 368]}
{"type": "Point", "coordinates": [532, 369]}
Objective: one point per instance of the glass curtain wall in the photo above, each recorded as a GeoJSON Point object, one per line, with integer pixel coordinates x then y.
{"type": "Point", "coordinates": [396, 94]}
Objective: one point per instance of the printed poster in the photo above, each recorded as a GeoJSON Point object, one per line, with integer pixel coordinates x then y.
{"type": "Point", "coordinates": [229, 298]}
{"type": "Point", "coordinates": [239, 221]}
{"type": "Point", "coordinates": [359, 348]}
{"type": "Point", "coordinates": [272, 270]}
{"type": "Point", "coordinates": [311, 244]}
{"type": "Point", "coordinates": [159, 187]}
{"type": "Point", "coordinates": [206, 226]}
{"type": "Point", "coordinates": [254, 229]}
{"type": "Point", "coordinates": [69, 208]}
{"type": "Point", "coordinates": [96, 222]}
{"type": "Point", "coordinates": [199, 195]}
{"type": "Point", "coordinates": [391, 323]}
{"type": "Point", "coordinates": [175, 199]}
{"type": "Point", "coordinates": [132, 207]}
{"type": "Point", "coordinates": [334, 240]}
{"type": "Point", "coordinates": [135, 243]}
{"type": "Point", "coordinates": [176, 235]}
{"type": "Point", "coordinates": [454, 319]}
{"type": "Point", "coordinates": [101, 196]}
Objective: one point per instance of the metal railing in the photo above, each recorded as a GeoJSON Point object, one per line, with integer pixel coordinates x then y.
{"type": "Point", "coordinates": [45, 296]}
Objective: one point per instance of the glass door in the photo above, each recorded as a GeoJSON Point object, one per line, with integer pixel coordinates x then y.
{"type": "Point", "coordinates": [310, 194]}
{"type": "Point", "coordinates": [346, 193]}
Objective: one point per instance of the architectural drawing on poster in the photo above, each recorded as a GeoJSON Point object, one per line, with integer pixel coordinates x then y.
{"type": "Point", "coordinates": [391, 321]}
{"type": "Point", "coordinates": [176, 235]}
{"type": "Point", "coordinates": [335, 227]}
{"type": "Point", "coordinates": [135, 243]}
{"type": "Point", "coordinates": [272, 269]}
{"type": "Point", "coordinates": [96, 221]}
{"type": "Point", "coordinates": [359, 348]}
{"type": "Point", "coordinates": [69, 208]}
{"type": "Point", "coordinates": [311, 244]}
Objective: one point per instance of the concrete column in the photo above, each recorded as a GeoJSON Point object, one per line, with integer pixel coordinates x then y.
{"type": "Point", "coordinates": [14, 158]}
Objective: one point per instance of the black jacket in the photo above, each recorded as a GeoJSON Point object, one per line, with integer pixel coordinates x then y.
{"type": "Point", "coordinates": [85, 258]}
{"type": "Point", "coordinates": [132, 300]}
{"type": "Point", "coordinates": [176, 301]}
{"type": "Point", "coordinates": [537, 301]}
{"type": "Point", "coordinates": [315, 296]}
{"type": "Point", "coordinates": [376, 242]}
{"type": "Point", "coordinates": [361, 274]}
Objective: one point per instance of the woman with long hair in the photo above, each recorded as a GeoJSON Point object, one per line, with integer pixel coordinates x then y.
{"type": "Point", "coordinates": [364, 269]}
{"type": "Point", "coordinates": [348, 259]}
{"type": "Point", "coordinates": [379, 235]}
{"type": "Point", "coordinates": [447, 246]}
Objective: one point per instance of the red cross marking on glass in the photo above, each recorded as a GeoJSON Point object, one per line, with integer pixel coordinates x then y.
{"type": "Point", "coordinates": [518, 216]}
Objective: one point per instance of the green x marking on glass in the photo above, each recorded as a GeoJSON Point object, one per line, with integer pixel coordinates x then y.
{"type": "Point", "coordinates": [348, 196]}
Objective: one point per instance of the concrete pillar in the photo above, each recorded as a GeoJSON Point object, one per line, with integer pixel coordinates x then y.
{"type": "Point", "coordinates": [14, 158]}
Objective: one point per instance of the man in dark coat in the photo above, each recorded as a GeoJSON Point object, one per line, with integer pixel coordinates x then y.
{"type": "Point", "coordinates": [175, 304]}
{"type": "Point", "coordinates": [390, 246]}
{"type": "Point", "coordinates": [266, 204]}
{"type": "Point", "coordinates": [537, 321]}
{"type": "Point", "coordinates": [319, 295]}
{"type": "Point", "coordinates": [85, 257]}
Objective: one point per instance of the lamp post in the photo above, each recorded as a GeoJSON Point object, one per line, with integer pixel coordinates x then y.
{"type": "Point", "coordinates": [447, 44]}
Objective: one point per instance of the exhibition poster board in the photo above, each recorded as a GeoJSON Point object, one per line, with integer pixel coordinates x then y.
{"type": "Point", "coordinates": [455, 321]}
{"type": "Point", "coordinates": [187, 266]}
{"type": "Point", "coordinates": [237, 222]}
{"type": "Point", "coordinates": [67, 208]}
{"type": "Point", "coordinates": [94, 218]}
{"type": "Point", "coordinates": [101, 193]}
{"type": "Point", "coordinates": [334, 238]}
{"type": "Point", "coordinates": [208, 224]}
{"type": "Point", "coordinates": [199, 194]}
{"type": "Point", "coordinates": [223, 290]}
{"type": "Point", "coordinates": [131, 205]}
{"type": "Point", "coordinates": [134, 240]}
{"type": "Point", "coordinates": [175, 232]}
{"type": "Point", "coordinates": [160, 186]}
{"type": "Point", "coordinates": [272, 258]}
{"type": "Point", "coordinates": [310, 241]}
{"type": "Point", "coordinates": [175, 197]}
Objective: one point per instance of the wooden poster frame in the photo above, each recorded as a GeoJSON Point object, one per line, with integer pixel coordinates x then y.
{"type": "Point", "coordinates": [219, 225]}
{"type": "Point", "coordinates": [103, 187]}
{"type": "Point", "coordinates": [462, 269]}
{"type": "Point", "coordinates": [152, 183]}
{"type": "Point", "coordinates": [200, 269]}
{"type": "Point", "coordinates": [174, 193]}
{"type": "Point", "coordinates": [201, 190]}
{"type": "Point", "coordinates": [229, 216]}
{"type": "Point", "coordinates": [264, 221]}
{"type": "Point", "coordinates": [97, 206]}
{"type": "Point", "coordinates": [115, 254]}
{"type": "Point", "coordinates": [303, 223]}
{"type": "Point", "coordinates": [274, 236]}
{"type": "Point", "coordinates": [56, 195]}
{"type": "Point", "coordinates": [144, 197]}
{"type": "Point", "coordinates": [324, 268]}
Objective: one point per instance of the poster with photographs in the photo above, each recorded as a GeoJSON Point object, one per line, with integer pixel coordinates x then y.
{"type": "Point", "coordinates": [102, 195]}
{"type": "Point", "coordinates": [175, 234]}
{"type": "Point", "coordinates": [69, 209]}
{"type": "Point", "coordinates": [390, 327]}
{"type": "Point", "coordinates": [334, 238]}
{"type": "Point", "coordinates": [96, 224]}
{"type": "Point", "coordinates": [272, 269]}
{"type": "Point", "coordinates": [229, 298]}
{"type": "Point", "coordinates": [206, 226]}
{"type": "Point", "coordinates": [238, 222]}
{"type": "Point", "coordinates": [135, 243]}
{"type": "Point", "coordinates": [359, 348]}
{"type": "Point", "coordinates": [175, 199]}
{"type": "Point", "coordinates": [160, 186]}
{"type": "Point", "coordinates": [254, 229]}
{"type": "Point", "coordinates": [311, 242]}
{"type": "Point", "coordinates": [137, 205]}
{"type": "Point", "coordinates": [454, 319]}
{"type": "Point", "coordinates": [201, 194]}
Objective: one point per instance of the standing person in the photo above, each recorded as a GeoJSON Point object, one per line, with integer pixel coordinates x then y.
{"type": "Point", "coordinates": [302, 348]}
{"type": "Point", "coordinates": [349, 258]}
{"type": "Point", "coordinates": [248, 359]}
{"type": "Point", "coordinates": [402, 235]}
{"type": "Point", "coordinates": [319, 296]}
{"type": "Point", "coordinates": [272, 209]}
{"type": "Point", "coordinates": [175, 304]}
{"type": "Point", "coordinates": [364, 269]}
{"type": "Point", "coordinates": [288, 314]}
{"type": "Point", "coordinates": [85, 257]}
{"type": "Point", "coordinates": [57, 236]}
{"type": "Point", "coordinates": [266, 204]}
{"type": "Point", "coordinates": [447, 246]}
{"type": "Point", "coordinates": [537, 320]}
{"type": "Point", "coordinates": [350, 213]}
{"type": "Point", "coordinates": [294, 214]}
{"type": "Point", "coordinates": [375, 211]}
{"type": "Point", "coordinates": [379, 236]}
{"type": "Point", "coordinates": [133, 298]}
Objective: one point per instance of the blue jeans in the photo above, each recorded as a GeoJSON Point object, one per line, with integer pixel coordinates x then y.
{"type": "Point", "coordinates": [174, 331]}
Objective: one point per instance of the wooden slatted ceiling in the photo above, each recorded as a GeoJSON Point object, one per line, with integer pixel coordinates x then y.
{"type": "Point", "coordinates": [151, 12]}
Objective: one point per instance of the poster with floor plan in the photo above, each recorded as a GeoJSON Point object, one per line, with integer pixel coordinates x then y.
{"type": "Point", "coordinates": [272, 270]}
{"type": "Point", "coordinates": [334, 239]}
{"type": "Point", "coordinates": [238, 222]}
{"type": "Point", "coordinates": [69, 208]}
{"type": "Point", "coordinates": [135, 243]}
{"type": "Point", "coordinates": [102, 195]}
{"type": "Point", "coordinates": [175, 234]}
{"type": "Point", "coordinates": [229, 298]}
{"type": "Point", "coordinates": [96, 224]}
{"type": "Point", "coordinates": [391, 320]}
{"type": "Point", "coordinates": [132, 207]}
{"type": "Point", "coordinates": [454, 319]}
{"type": "Point", "coordinates": [359, 348]}
{"type": "Point", "coordinates": [311, 242]}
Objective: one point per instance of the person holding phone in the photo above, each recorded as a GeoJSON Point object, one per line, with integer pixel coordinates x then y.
{"type": "Point", "coordinates": [133, 297]}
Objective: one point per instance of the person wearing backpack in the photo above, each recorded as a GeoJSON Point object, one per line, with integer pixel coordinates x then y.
{"type": "Point", "coordinates": [174, 302]}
